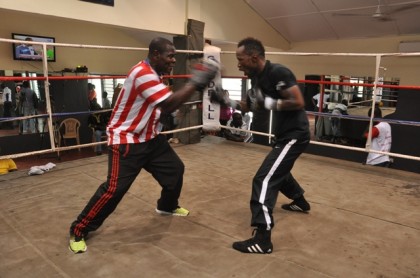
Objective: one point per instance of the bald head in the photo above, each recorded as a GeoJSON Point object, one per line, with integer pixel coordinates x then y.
{"type": "Point", "coordinates": [162, 55]}
{"type": "Point", "coordinates": [160, 45]}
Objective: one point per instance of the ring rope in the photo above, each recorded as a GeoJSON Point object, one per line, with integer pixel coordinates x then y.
{"type": "Point", "coordinates": [42, 78]}
{"type": "Point", "coordinates": [398, 54]}
{"type": "Point", "coordinates": [200, 126]}
{"type": "Point", "coordinates": [333, 145]}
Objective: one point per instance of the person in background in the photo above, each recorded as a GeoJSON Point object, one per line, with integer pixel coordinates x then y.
{"type": "Point", "coordinates": [106, 104]}
{"type": "Point", "coordinates": [29, 100]}
{"type": "Point", "coordinates": [381, 140]}
{"type": "Point", "coordinates": [246, 117]}
{"type": "Point", "coordinates": [236, 122]}
{"type": "Point", "coordinates": [225, 113]}
{"type": "Point", "coordinates": [260, 118]}
{"type": "Point", "coordinates": [91, 92]}
{"type": "Point", "coordinates": [135, 141]}
{"type": "Point", "coordinates": [18, 107]}
{"type": "Point", "coordinates": [322, 129]}
{"type": "Point", "coordinates": [98, 122]}
{"type": "Point", "coordinates": [7, 105]}
{"type": "Point", "coordinates": [274, 87]}
{"type": "Point", "coordinates": [117, 91]}
{"type": "Point", "coordinates": [316, 100]}
{"type": "Point", "coordinates": [339, 109]}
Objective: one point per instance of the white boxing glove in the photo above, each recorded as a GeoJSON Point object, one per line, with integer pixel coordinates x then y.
{"type": "Point", "coordinates": [272, 104]}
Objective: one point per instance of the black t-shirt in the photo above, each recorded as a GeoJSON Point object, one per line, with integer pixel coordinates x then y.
{"type": "Point", "coordinates": [286, 124]}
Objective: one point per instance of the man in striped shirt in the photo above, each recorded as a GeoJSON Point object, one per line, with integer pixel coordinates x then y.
{"type": "Point", "coordinates": [135, 142]}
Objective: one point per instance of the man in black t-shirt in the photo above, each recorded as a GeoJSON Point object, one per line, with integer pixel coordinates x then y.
{"type": "Point", "coordinates": [274, 87]}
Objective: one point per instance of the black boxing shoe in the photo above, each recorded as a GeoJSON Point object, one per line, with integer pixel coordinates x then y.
{"type": "Point", "coordinates": [298, 205]}
{"type": "Point", "coordinates": [260, 243]}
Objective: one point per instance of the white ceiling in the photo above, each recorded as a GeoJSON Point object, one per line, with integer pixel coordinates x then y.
{"type": "Point", "coordinates": [308, 20]}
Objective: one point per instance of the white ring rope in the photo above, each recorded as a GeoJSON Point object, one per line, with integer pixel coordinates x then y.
{"type": "Point", "coordinates": [313, 142]}
{"type": "Point", "coordinates": [398, 54]}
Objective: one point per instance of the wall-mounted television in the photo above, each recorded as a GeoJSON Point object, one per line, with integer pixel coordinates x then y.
{"type": "Point", "coordinates": [32, 52]}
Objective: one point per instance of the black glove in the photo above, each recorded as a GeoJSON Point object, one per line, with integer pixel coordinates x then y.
{"type": "Point", "coordinates": [256, 98]}
{"type": "Point", "coordinates": [218, 95]}
{"type": "Point", "coordinates": [203, 73]}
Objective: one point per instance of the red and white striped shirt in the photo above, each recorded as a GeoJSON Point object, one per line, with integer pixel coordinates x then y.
{"type": "Point", "coordinates": [135, 118]}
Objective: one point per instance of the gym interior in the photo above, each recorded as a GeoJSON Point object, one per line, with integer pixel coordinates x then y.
{"type": "Point", "coordinates": [360, 214]}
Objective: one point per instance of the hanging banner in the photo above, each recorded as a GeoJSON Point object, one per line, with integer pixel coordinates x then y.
{"type": "Point", "coordinates": [211, 111]}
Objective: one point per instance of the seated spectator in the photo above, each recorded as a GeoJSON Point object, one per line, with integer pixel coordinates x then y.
{"type": "Point", "coordinates": [236, 122]}
{"type": "Point", "coordinates": [339, 109]}
{"type": "Point", "coordinates": [381, 141]}
{"type": "Point", "coordinates": [98, 123]}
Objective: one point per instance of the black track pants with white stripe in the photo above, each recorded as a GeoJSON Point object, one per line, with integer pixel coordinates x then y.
{"type": "Point", "coordinates": [124, 164]}
{"type": "Point", "coordinates": [273, 176]}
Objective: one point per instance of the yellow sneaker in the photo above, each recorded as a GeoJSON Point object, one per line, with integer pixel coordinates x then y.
{"type": "Point", "coordinates": [77, 245]}
{"type": "Point", "coordinates": [176, 212]}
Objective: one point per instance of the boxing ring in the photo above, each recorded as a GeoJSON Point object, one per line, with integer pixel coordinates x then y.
{"type": "Point", "coordinates": [363, 222]}
{"type": "Point", "coordinates": [375, 86]}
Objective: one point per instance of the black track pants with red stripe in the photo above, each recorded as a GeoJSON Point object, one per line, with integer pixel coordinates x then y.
{"type": "Point", "coordinates": [273, 176]}
{"type": "Point", "coordinates": [124, 164]}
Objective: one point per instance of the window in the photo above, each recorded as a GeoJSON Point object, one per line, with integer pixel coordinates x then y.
{"type": "Point", "coordinates": [234, 86]}
{"type": "Point", "coordinates": [107, 85]}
